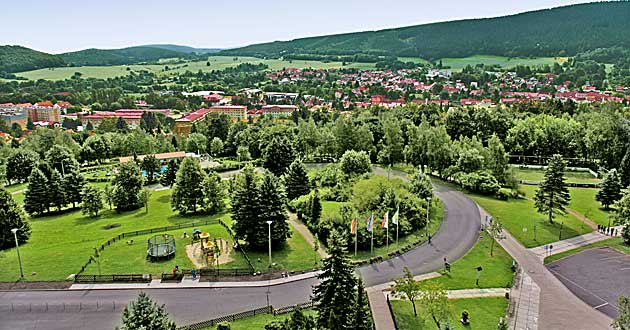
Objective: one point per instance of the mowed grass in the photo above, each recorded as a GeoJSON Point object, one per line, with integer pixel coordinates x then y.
{"type": "Point", "coordinates": [496, 273]}
{"type": "Point", "coordinates": [517, 214]}
{"type": "Point", "coordinates": [539, 175]}
{"type": "Point", "coordinates": [216, 63]}
{"type": "Point", "coordinates": [297, 254]}
{"type": "Point", "coordinates": [615, 243]}
{"type": "Point", "coordinates": [484, 314]}
{"type": "Point", "coordinates": [258, 322]}
{"type": "Point", "coordinates": [583, 201]}
{"type": "Point", "coordinates": [457, 64]}
{"type": "Point", "coordinates": [15, 187]}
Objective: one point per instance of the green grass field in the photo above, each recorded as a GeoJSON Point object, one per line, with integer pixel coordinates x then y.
{"type": "Point", "coordinates": [15, 187]}
{"type": "Point", "coordinates": [457, 64]}
{"type": "Point", "coordinates": [258, 322]}
{"type": "Point", "coordinates": [496, 273]}
{"type": "Point", "coordinates": [296, 255]}
{"type": "Point", "coordinates": [517, 214]}
{"type": "Point", "coordinates": [539, 175]}
{"type": "Point", "coordinates": [216, 63]}
{"type": "Point", "coordinates": [484, 314]}
{"type": "Point", "coordinates": [615, 243]}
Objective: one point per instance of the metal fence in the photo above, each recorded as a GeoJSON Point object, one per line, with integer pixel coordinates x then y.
{"type": "Point", "coordinates": [113, 278]}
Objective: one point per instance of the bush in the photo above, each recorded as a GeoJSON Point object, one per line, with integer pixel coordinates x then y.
{"type": "Point", "coordinates": [223, 326]}
{"type": "Point", "coordinates": [482, 182]}
{"type": "Point", "coordinates": [625, 234]}
{"type": "Point", "coordinates": [355, 163]}
{"type": "Point", "coordinates": [503, 194]}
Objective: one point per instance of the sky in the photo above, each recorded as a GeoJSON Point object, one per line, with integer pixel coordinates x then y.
{"type": "Point", "coordinates": [57, 26]}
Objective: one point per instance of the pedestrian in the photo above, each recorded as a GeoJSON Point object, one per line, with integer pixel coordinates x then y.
{"type": "Point", "coordinates": [429, 238]}
{"type": "Point", "coordinates": [599, 228]}
{"type": "Point", "coordinates": [614, 232]}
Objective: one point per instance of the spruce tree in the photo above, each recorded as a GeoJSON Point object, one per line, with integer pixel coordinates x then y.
{"type": "Point", "coordinates": [272, 209]}
{"type": "Point", "coordinates": [296, 180]}
{"type": "Point", "coordinates": [12, 216]}
{"type": "Point", "coordinates": [278, 155]}
{"type": "Point", "coordinates": [36, 200]}
{"type": "Point", "coordinates": [127, 183]}
{"type": "Point", "coordinates": [552, 195]}
{"type": "Point", "coordinates": [245, 209]}
{"type": "Point", "coordinates": [610, 189]}
{"type": "Point", "coordinates": [362, 318]}
{"type": "Point", "coordinates": [56, 193]}
{"type": "Point", "coordinates": [188, 193]}
{"type": "Point", "coordinates": [170, 175]}
{"type": "Point", "coordinates": [108, 195]}
{"type": "Point", "coordinates": [214, 193]}
{"type": "Point", "coordinates": [92, 201]}
{"type": "Point", "coordinates": [336, 292]}
{"type": "Point", "coordinates": [315, 212]}
{"type": "Point", "coordinates": [420, 184]}
{"type": "Point", "coordinates": [73, 184]}
{"type": "Point", "coordinates": [143, 313]}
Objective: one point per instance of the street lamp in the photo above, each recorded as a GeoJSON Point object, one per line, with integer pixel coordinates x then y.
{"type": "Point", "coordinates": [17, 246]}
{"type": "Point", "coordinates": [269, 223]}
{"type": "Point", "coordinates": [428, 209]}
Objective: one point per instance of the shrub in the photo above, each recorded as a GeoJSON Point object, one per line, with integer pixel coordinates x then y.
{"type": "Point", "coordinates": [503, 194]}
{"type": "Point", "coordinates": [482, 182]}
{"type": "Point", "coordinates": [223, 326]}
{"type": "Point", "coordinates": [355, 163]}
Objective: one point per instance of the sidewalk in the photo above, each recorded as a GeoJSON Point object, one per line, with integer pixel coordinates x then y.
{"type": "Point", "coordinates": [301, 228]}
{"type": "Point", "coordinates": [569, 244]}
{"type": "Point", "coordinates": [466, 293]}
{"type": "Point", "coordinates": [558, 308]}
{"type": "Point", "coordinates": [188, 282]}
{"type": "Point", "coordinates": [380, 310]}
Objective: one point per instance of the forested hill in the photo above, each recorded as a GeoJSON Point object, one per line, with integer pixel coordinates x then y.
{"type": "Point", "coordinates": [185, 49]}
{"type": "Point", "coordinates": [18, 58]}
{"type": "Point", "coordinates": [103, 57]}
{"type": "Point", "coordinates": [562, 31]}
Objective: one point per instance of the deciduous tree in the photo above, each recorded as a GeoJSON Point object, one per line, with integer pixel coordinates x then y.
{"type": "Point", "coordinates": [92, 201]}
{"type": "Point", "coordinates": [128, 182]}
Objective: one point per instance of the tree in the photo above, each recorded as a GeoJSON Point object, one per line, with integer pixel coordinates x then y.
{"type": "Point", "coordinates": [420, 184]}
{"type": "Point", "coordinates": [128, 182]}
{"type": "Point", "coordinates": [196, 142]}
{"type": "Point", "coordinates": [496, 232]}
{"type": "Point", "coordinates": [552, 195]}
{"type": "Point", "coordinates": [108, 194]}
{"type": "Point", "coordinates": [297, 321]}
{"type": "Point", "coordinates": [144, 197]}
{"type": "Point", "coordinates": [362, 318]}
{"type": "Point", "coordinates": [170, 175]}
{"type": "Point", "coordinates": [19, 165]}
{"type": "Point", "coordinates": [73, 184]}
{"type": "Point", "coordinates": [56, 193]}
{"type": "Point", "coordinates": [278, 155]}
{"type": "Point", "coordinates": [621, 216]}
{"type": "Point", "coordinates": [315, 211]}
{"type": "Point", "coordinates": [434, 301]}
{"type": "Point", "coordinates": [272, 202]}
{"type": "Point", "coordinates": [392, 148]}
{"type": "Point", "coordinates": [216, 146]}
{"type": "Point", "coordinates": [296, 180]}
{"type": "Point", "coordinates": [188, 192]}
{"type": "Point", "coordinates": [623, 320]}
{"type": "Point", "coordinates": [408, 286]}
{"type": "Point", "coordinates": [610, 189]}
{"type": "Point", "coordinates": [143, 313]}
{"type": "Point", "coordinates": [92, 201]}
{"type": "Point", "coordinates": [36, 200]}
{"type": "Point", "coordinates": [12, 216]}
{"type": "Point", "coordinates": [355, 162]}
{"type": "Point", "coordinates": [497, 159]}
{"type": "Point", "coordinates": [335, 294]}
{"type": "Point", "coordinates": [245, 209]}
{"type": "Point", "coordinates": [61, 159]}
{"type": "Point", "coordinates": [151, 167]}
{"type": "Point", "coordinates": [214, 194]}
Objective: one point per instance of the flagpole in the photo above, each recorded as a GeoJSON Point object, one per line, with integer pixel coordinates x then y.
{"type": "Point", "coordinates": [356, 232]}
{"type": "Point", "coordinates": [372, 239]}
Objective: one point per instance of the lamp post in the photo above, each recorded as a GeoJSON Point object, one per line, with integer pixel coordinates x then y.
{"type": "Point", "coordinates": [17, 246]}
{"type": "Point", "coordinates": [428, 210]}
{"type": "Point", "coordinates": [269, 223]}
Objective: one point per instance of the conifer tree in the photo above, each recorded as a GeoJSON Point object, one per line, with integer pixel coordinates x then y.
{"type": "Point", "coordinates": [315, 208]}
{"type": "Point", "coordinates": [143, 313]}
{"type": "Point", "coordinates": [245, 209]}
{"type": "Point", "coordinates": [151, 167]}
{"type": "Point", "coordinates": [552, 195]}
{"type": "Point", "coordinates": [188, 192]}
{"type": "Point", "coordinates": [170, 175]}
{"type": "Point", "coordinates": [108, 195]}
{"type": "Point", "coordinates": [420, 184]}
{"type": "Point", "coordinates": [214, 193]}
{"type": "Point", "coordinates": [272, 209]}
{"type": "Point", "coordinates": [36, 200]}
{"type": "Point", "coordinates": [56, 193]}
{"type": "Point", "coordinates": [92, 201]}
{"type": "Point", "coordinates": [610, 189]}
{"type": "Point", "coordinates": [296, 180]}
{"type": "Point", "coordinates": [278, 155]}
{"type": "Point", "coordinates": [12, 216]}
{"type": "Point", "coordinates": [362, 318]}
{"type": "Point", "coordinates": [336, 292]}
{"type": "Point", "coordinates": [73, 184]}
{"type": "Point", "coordinates": [127, 185]}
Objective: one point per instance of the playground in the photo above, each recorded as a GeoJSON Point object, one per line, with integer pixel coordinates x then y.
{"type": "Point", "coordinates": [205, 251]}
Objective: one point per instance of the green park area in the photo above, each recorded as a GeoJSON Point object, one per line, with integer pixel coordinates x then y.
{"type": "Point", "coordinates": [615, 243]}
{"type": "Point", "coordinates": [538, 175]}
{"type": "Point", "coordinates": [484, 314]}
{"type": "Point", "coordinates": [457, 64]}
{"type": "Point", "coordinates": [496, 273]}
{"type": "Point", "coordinates": [173, 69]}
{"type": "Point", "coordinates": [259, 321]}
{"type": "Point", "coordinates": [583, 201]}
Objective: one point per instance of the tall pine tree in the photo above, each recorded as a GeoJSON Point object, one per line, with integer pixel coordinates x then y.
{"type": "Point", "coordinates": [214, 193]}
{"type": "Point", "coordinates": [272, 208]}
{"type": "Point", "coordinates": [36, 200]}
{"type": "Point", "coordinates": [336, 292]}
{"type": "Point", "coordinates": [245, 209]}
{"type": "Point", "coordinates": [362, 318]}
{"type": "Point", "coordinates": [552, 195]}
{"type": "Point", "coordinates": [610, 189]}
{"type": "Point", "coordinates": [143, 313]}
{"type": "Point", "coordinates": [56, 193]}
{"type": "Point", "coordinates": [73, 184]}
{"type": "Point", "coordinates": [11, 216]}
{"type": "Point", "coordinates": [296, 180]}
{"type": "Point", "coordinates": [278, 155]}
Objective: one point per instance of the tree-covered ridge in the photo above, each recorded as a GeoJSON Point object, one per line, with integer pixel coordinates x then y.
{"type": "Point", "coordinates": [18, 58]}
{"type": "Point", "coordinates": [104, 57]}
{"type": "Point", "coordinates": [563, 31]}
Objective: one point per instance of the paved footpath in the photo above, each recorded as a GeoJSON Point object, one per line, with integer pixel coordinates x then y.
{"type": "Point", "coordinates": [465, 293]}
{"type": "Point", "coordinates": [570, 244]}
{"type": "Point", "coordinates": [558, 308]}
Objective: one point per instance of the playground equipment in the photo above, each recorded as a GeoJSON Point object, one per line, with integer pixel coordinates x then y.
{"type": "Point", "coordinates": [161, 246]}
{"type": "Point", "coordinates": [208, 248]}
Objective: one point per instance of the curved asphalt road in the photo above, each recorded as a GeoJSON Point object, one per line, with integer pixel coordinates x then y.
{"type": "Point", "coordinates": [101, 309]}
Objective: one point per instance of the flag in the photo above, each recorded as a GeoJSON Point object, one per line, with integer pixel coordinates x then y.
{"type": "Point", "coordinates": [370, 222]}
{"type": "Point", "coordinates": [353, 227]}
{"type": "Point", "coordinates": [385, 222]}
{"type": "Point", "coordinates": [395, 217]}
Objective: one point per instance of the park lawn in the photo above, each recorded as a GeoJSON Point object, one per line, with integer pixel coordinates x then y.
{"type": "Point", "coordinates": [496, 273]}
{"type": "Point", "coordinates": [615, 243]}
{"type": "Point", "coordinates": [124, 258]}
{"type": "Point", "coordinates": [297, 254]}
{"type": "Point", "coordinates": [457, 64]}
{"type": "Point", "coordinates": [258, 322]}
{"type": "Point", "coordinates": [583, 201]}
{"type": "Point", "coordinates": [61, 244]}
{"type": "Point", "coordinates": [517, 214]}
{"type": "Point", "coordinates": [484, 314]}
{"type": "Point", "coordinates": [539, 175]}
{"type": "Point", "coordinates": [436, 217]}
{"type": "Point", "coordinates": [15, 187]}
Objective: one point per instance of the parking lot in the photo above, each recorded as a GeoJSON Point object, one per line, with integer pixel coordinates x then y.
{"type": "Point", "coordinates": [598, 276]}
